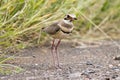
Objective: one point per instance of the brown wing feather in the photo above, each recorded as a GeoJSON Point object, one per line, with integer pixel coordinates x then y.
{"type": "Point", "coordinates": [52, 29]}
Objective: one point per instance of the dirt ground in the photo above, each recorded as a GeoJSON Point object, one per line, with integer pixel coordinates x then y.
{"type": "Point", "coordinates": [87, 61]}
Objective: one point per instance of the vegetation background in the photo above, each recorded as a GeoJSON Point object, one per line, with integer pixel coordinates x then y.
{"type": "Point", "coordinates": [21, 21]}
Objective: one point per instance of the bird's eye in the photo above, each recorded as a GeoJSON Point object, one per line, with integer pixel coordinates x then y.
{"type": "Point", "coordinates": [68, 16]}
{"type": "Point", "coordinates": [65, 18]}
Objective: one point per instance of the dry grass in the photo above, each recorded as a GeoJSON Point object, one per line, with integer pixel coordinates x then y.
{"type": "Point", "coordinates": [21, 20]}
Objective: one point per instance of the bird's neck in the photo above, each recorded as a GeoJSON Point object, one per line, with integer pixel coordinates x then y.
{"type": "Point", "coordinates": [67, 21]}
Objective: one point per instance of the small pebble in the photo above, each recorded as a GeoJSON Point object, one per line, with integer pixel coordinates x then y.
{"type": "Point", "coordinates": [107, 78]}
{"type": "Point", "coordinates": [88, 72]}
{"type": "Point", "coordinates": [119, 65]}
{"type": "Point", "coordinates": [36, 64]}
{"type": "Point", "coordinates": [117, 58]}
{"type": "Point", "coordinates": [115, 68]}
{"type": "Point", "coordinates": [73, 75]}
{"type": "Point", "coordinates": [89, 63]}
{"type": "Point", "coordinates": [110, 66]}
{"type": "Point", "coordinates": [114, 76]}
{"type": "Point", "coordinates": [34, 56]}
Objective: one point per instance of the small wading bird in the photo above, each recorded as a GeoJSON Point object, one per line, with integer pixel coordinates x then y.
{"type": "Point", "coordinates": [59, 30]}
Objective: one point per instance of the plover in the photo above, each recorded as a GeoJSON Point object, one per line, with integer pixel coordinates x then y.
{"type": "Point", "coordinates": [59, 30]}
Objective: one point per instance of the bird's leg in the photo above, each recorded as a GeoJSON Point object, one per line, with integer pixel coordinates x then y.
{"type": "Point", "coordinates": [57, 54]}
{"type": "Point", "coordinates": [52, 51]}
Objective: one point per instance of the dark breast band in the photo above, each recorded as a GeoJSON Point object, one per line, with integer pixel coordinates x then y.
{"type": "Point", "coordinates": [66, 32]}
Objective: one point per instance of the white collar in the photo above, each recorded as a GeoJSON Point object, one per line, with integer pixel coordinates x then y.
{"type": "Point", "coordinates": [67, 21]}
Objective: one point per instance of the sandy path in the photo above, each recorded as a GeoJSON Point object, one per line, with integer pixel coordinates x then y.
{"type": "Point", "coordinates": [94, 62]}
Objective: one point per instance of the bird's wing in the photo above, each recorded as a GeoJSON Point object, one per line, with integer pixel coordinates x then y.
{"type": "Point", "coordinates": [52, 29]}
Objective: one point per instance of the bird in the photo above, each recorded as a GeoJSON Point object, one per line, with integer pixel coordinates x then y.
{"type": "Point", "coordinates": [59, 30]}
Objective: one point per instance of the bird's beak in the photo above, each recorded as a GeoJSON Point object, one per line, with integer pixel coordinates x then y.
{"type": "Point", "coordinates": [75, 18]}
{"type": "Point", "coordinates": [72, 19]}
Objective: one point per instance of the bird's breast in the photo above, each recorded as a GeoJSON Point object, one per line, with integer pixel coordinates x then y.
{"type": "Point", "coordinates": [60, 35]}
{"type": "Point", "coordinates": [66, 29]}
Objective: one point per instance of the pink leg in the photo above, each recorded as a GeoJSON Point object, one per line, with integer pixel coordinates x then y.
{"type": "Point", "coordinates": [52, 51]}
{"type": "Point", "coordinates": [57, 54]}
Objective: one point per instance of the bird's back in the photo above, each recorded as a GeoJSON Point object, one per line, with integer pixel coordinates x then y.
{"type": "Point", "coordinates": [52, 29]}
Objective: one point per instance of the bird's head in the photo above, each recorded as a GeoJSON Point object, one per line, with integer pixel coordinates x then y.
{"type": "Point", "coordinates": [70, 17]}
